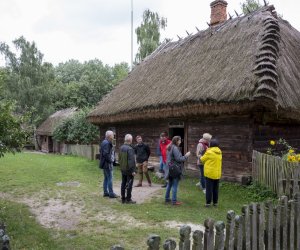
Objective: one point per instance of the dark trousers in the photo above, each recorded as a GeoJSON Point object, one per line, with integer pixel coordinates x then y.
{"type": "Point", "coordinates": [126, 186]}
{"type": "Point", "coordinates": [212, 190]}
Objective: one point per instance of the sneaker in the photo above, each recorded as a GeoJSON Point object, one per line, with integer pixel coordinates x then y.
{"type": "Point", "coordinates": [198, 184]}
{"type": "Point", "coordinates": [131, 202]}
{"type": "Point", "coordinates": [164, 186]}
{"type": "Point", "coordinates": [105, 195]}
{"type": "Point", "coordinates": [215, 204]}
{"type": "Point", "coordinates": [207, 205]}
{"type": "Point", "coordinates": [167, 201]}
{"type": "Point", "coordinates": [138, 185]}
{"type": "Point", "coordinates": [123, 201]}
{"type": "Point", "coordinates": [204, 191]}
{"type": "Point", "coordinates": [176, 203]}
{"type": "Point", "coordinates": [113, 196]}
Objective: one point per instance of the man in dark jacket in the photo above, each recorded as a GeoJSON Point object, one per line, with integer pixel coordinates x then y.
{"type": "Point", "coordinates": [128, 169]}
{"type": "Point", "coordinates": [142, 152]}
{"type": "Point", "coordinates": [107, 160]}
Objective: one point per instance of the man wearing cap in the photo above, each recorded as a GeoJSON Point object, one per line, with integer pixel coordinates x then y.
{"type": "Point", "coordinates": [202, 146]}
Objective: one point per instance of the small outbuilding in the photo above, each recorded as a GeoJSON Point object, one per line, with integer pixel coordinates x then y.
{"type": "Point", "coordinates": [45, 130]}
{"type": "Point", "coordinates": [239, 80]}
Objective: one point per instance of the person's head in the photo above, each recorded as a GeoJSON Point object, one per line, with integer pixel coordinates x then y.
{"type": "Point", "coordinates": [164, 136]}
{"type": "Point", "coordinates": [109, 135]}
{"type": "Point", "coordinates": [214, 143]}
{"type": "Point", "coordinates": [207, 137]}
{"type": "Point", "coordinates": [139, 139]}
{"type": "Point", "coordinates": [176, 140]}
{"type": "Point", "coordinates": [128, 139]}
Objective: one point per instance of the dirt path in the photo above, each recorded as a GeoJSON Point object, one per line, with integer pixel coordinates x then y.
{"type": "Point", "coordinates": [66, 210]}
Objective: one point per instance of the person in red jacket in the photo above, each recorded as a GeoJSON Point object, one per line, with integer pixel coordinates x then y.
{"type": "Point", "coordinates": [163, 143]}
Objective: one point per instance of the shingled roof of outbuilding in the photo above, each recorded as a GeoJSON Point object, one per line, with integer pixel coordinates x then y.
{"type": "Point", "coordinates": [232, 67]}
{"type": "Point", "coordinates": [49, 125]}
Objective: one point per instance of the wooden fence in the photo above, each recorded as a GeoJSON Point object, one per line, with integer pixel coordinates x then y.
{"type": "Point", "coordinates": [281, 176]}
{"type": "Point", "coordinates": [4, 239]}
{"type": "Point", "coordinates": [261, 226]}
{"type": "Point", "coordinates": [87, 151]}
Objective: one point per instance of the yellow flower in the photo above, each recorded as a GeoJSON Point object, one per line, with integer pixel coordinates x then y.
{"type": "Point", "coordinates": [272, 143]}
{"type": "Point", "coordinates": [291, 151]}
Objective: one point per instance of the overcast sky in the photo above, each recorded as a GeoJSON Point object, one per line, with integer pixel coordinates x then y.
{"type": "Point", "coordinates": [88, 29]}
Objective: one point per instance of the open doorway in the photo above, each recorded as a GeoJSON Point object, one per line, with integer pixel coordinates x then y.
{"type": "Point", "coordinates": [177, 129]}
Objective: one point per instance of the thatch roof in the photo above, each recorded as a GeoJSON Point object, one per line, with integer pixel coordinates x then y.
{"type": "Point", "coordinates": [49, 125]}
{"type": "Point", "coordinates": [232, 67]}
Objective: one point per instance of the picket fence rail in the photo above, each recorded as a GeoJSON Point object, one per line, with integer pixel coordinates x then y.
{"type": "Point", "coordinates": [261, 226]}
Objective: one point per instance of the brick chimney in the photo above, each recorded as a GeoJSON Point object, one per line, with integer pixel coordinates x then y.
{"type": "Point", "coordinates": [218, 12]}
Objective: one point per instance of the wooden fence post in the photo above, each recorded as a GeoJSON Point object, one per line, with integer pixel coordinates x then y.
{"type": "Point", "coordinates": [238, 241]}
{"type": "Point", "coordinates": [209, 234]}
{"type": "Point", "coordinates": [198, 240]}
{"type": "Point", "coordinates": [297, 220]}
{"type": "Point", "coordinates": [4, 239]}
{"type": "Point", "coordinates": [169, 244]}
{"type": "Point", "coordinates": [284, 211]}
{"type": "Point", "coordinates": [269, 225]}
{"type": "Point", "coordinates": [230, 225]}
{"type": "Point", "coordinates": [153, 242]}
{"type": "Point", "coordinates": [246, 228]}
{"type": "Point", "coordinates": [220, 237]}
{"type": "Point", "coordinates": [261, 226]}
{"type": "Point", "coordinates": [253, 223]}
{"type": "Point", "coordinates": [185, 242]}
{"type": "Point", "coordinates": [291, 224]}
{"type": "Point", "coordinates": [277, 220]}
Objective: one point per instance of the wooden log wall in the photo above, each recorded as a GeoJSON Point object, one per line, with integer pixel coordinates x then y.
{"type": "Point", "coordinates": [235, 136]}
{"type": "Point", "coordinates": [272, 131]}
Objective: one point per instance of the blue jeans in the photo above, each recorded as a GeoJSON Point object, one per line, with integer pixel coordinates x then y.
{"type": "Point", "coordinates": [161, 164]}
{"type": "Point", "coordinates": [108, 182]}
{"type": "Point", "coordinates": [172, 184]}
{"type": "Point", "coordinates": [202, 178]}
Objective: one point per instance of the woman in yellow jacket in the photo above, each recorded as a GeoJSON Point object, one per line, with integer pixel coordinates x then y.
{"type": "Point", "coordinates": [212, 160]}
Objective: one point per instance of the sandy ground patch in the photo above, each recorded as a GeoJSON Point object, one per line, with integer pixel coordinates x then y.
{"type": "Point", "coordinates": [141, 194]}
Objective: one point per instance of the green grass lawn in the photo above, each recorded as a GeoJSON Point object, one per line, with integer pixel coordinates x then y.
{"type": "Point", "coordinates": [101, 222]}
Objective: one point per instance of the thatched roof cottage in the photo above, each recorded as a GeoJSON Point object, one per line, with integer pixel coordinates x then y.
{"type": "Point", "coordinates": [238, 80]}
{"type": "Point", "coordinates": [46, 129]}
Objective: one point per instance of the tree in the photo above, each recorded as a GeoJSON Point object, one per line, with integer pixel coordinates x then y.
{"type": "Point", "coordinates": [148, 34]}
{"type": "Point", "coordinates": [250, 5]}
{"type": "Point", "coordinates": [29, 80]}
{"type": "Point", "coordinates": [77, 129]}
{"type": "Point", "coordinates": [12, 136]}
{"type": "Point", "coordinates": [93, 80]}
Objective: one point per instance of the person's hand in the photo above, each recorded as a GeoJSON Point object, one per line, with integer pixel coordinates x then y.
{"type": "Point", "coordinates": [134, 173]}
{"type": "Point", "coordinates": [188, 154]}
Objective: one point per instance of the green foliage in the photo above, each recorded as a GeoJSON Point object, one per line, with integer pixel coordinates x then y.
{"type": "Point", "coordinates": [84, 85]}
{"type": "Point", "coordinates": [148, 34]}
{"type": "Point", "coordinates": [258, 192]}
{"type": "Point", "coordinates": [250, 5]}
{"type": "Point", "coordinates": [76, 129]}
{"type": "Point", "coordinates": [12, 136]}
{"type": "Point", "coordinates": [29, 80]}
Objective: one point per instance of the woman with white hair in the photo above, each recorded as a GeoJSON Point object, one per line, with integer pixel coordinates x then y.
{"type": "Point", "coordinates": [202, 146]}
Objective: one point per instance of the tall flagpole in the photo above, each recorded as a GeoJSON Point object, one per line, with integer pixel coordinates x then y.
{"type": "Point", "coordinates": [131, 34]}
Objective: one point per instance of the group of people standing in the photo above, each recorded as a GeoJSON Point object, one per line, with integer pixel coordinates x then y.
{"type": "Point", "coordinates": [133, 159]}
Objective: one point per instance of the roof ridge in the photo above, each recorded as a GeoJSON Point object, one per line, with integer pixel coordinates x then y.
{"type": "Point", "coordinates": [266, 59]}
